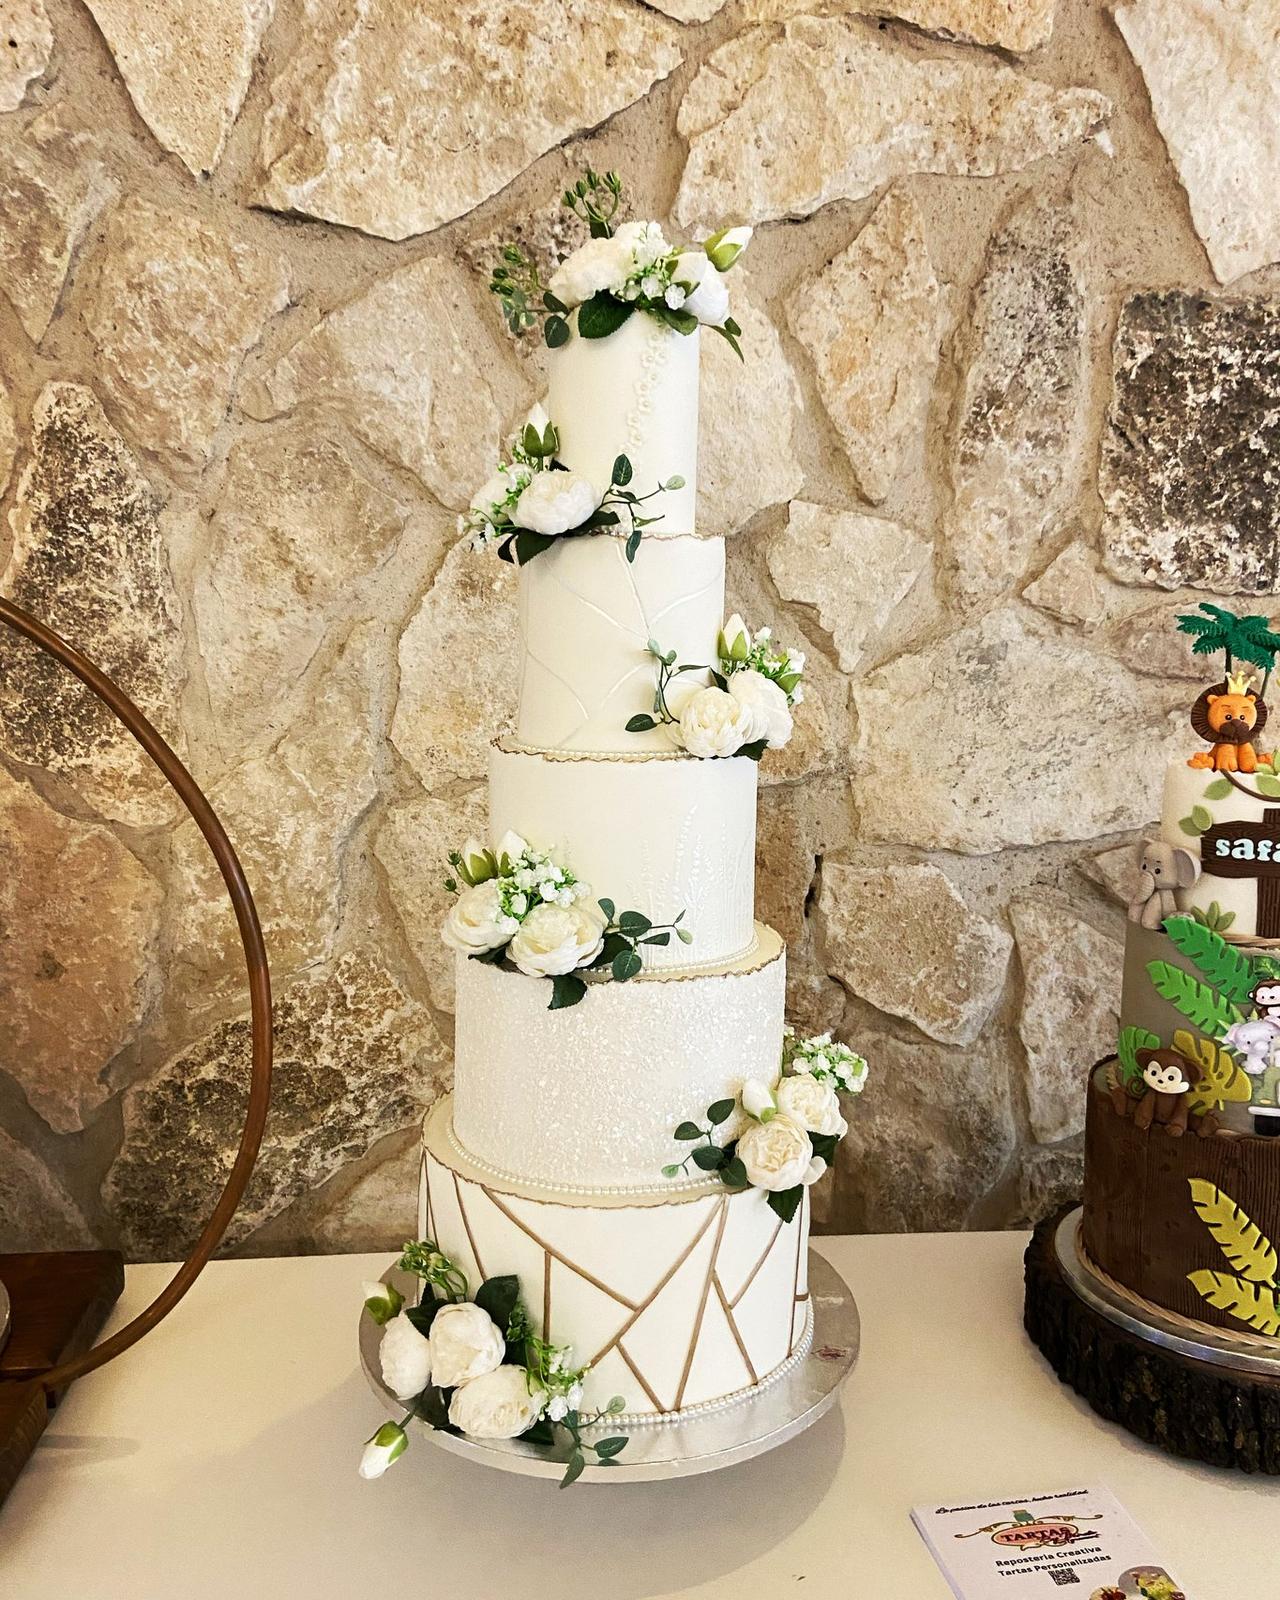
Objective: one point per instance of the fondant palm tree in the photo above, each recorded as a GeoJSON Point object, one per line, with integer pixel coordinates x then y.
{"type": "Point", "coordinates": [1247, 638]}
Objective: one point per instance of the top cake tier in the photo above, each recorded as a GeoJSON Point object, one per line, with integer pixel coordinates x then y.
{"type": "Point", "coordinates": [1228, 826]}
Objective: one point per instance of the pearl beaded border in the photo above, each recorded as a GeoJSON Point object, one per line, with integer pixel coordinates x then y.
{"type": "Point", "coordinates": [534, 1191]}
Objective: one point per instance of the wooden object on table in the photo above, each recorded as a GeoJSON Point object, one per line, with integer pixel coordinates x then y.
{"type": "Point", "coordinates": [59, 1302]}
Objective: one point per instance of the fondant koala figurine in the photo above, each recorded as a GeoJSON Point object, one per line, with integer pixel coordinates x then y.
{"type": "Point", "coordinates": [1170, 1077]}
{"type": "Point", "coordinates": [1162, 868]}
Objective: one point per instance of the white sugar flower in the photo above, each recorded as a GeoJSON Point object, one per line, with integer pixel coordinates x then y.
{"type": "Point", "coordinates": [776, 1154]}
{"type": "Point", "coordinates": [706, 295]}
{"type": "Point", "coordinates": [537, 419]}
{"type": "Point", "coordinates": [735, 639]}
{"type": "Point", "coordinates": [674, 296]}
{"type": "Point", "coordinates": [643, 242]}
{"type": "Point", "coordinates": [498, 1405]}
{"type": "Point", "coordinates": [465, 1344]}
{"type": "Point", "coordinates": [725, 247]}
{"type": "Point", "coordinates": [596, 265]}
{"type": "Point", "coordinates": [386, 1446]}
{"type": "Point", "coordinates": [555, 502]}
{"type": "Point", "coordinates": [767, 705]}
{"type": "Point", "coordinates": [713, 723]}
{"type": "Point", "coordinates": [758, 1100]}
{"type": "Point", "coordinates": [405, 1358]}
{"type": "Point", "coordinates": [476, 922]}
{"type": "Point", "coordinates": [816, 1169]}
{"type": "Point", "coordinates": [513, 847]}
{"type": "Point", "coordinates": [812, 1103]}
{"type": "Point", "coordinates": [555, 939]}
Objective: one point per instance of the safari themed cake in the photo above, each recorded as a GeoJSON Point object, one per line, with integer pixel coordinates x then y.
{"type": "Point", "coordinates": [1182, 1167]}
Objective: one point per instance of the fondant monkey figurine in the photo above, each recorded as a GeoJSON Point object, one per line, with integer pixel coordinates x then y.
{"type": "Point", "coordinates": [1170, 1077]}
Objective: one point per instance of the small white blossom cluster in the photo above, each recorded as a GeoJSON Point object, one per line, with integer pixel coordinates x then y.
{"type": "Point", "coordinates": [519, 898]}
{"type": "Point", "coordinates": [524, 491]}
{"type": "Point", "coordinates": [742, 651]}
{"type": "Point", "coordinates": [636, 265]}
{"type": "Point", "coordinates": [824, 1058]}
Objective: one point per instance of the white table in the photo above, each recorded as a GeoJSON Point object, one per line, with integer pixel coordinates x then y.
{"type": "Point", "coordinates": [217, 1462]}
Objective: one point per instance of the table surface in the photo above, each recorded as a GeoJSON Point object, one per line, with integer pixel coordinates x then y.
{"type": "Point", "coordinates": [219, 1459]}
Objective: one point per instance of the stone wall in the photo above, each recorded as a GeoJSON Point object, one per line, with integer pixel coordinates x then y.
{"type": "Point", "coordinates": [1010, 397]}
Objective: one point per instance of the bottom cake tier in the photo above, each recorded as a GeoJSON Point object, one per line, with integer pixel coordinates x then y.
{"type": "Point", "coordinates": [677, 1301]}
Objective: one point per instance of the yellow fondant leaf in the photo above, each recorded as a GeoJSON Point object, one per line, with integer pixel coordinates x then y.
{"type": "Point", "coordinates": [1247, 1302]}
{"type": "Point", "coordinates": [1223, 1078]}
{"type": "Point", "coordinates": [1243, 1243]}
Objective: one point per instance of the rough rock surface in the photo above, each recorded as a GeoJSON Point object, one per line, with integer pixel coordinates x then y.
{"type": "Point", "coordinates": [176, 306]}
{"type": "Point", "coordinates": [36, 1212]}
{"type": "Point", "coordinates": [187, 65]}
{"type": "Point", "coordinates": [1016, 444]}
{"type": "Point", "coordinates": [688, 10]}
{"type": "Point", "coordinates": [872, 321]}
{"type": "Point", "coordinates": [295, 529]}
{"type": "Point", "coordinates": [1005, 734]}
{"type": "Point", "coordinates": [1189, 455]}
{"type": "Point", "coordinates": [842, 109]}
{"type": "Point", "coordinates": [78, 920]}
{"type": "Point", "coordinates": [1211, 68]}
{"type": "Point", "coordinates": [52, 185]}
{"type": "Point", "coordinates": [365, 1207]}
{"type": "Point", "coordinates": [291, 814]}
{"type": "Point", "coordinates": [1073, 588]}
{"type": "Point", "coordinates": [412, 845]}
{"type": "Point", "coordinates": [88, 559]}
{"type": "Point", "coordinates": [27, 49]}
{"type": "Point", "coordinates": [414, 370]}
{"type": "Point", "coordinates": [853, 569]}
{"type": "Point", "coordinates": [1048, 1180]}
{"type": "Point", "coordinates": [746, 459]}
{"type": "Point", "coordinates": [395, 116]}
{"type": "Point", "coordinates": [1115, 870]}
{"type": "Point", "coordinates": [1071, 980]}
{"type": "Point", "coordinates": [902, 938]}
{"type": "Point", "coordinates": [458, 665]}
{"type": "Point", "coordinates": [787, 845]}
{"type": "Point", "coordinates": [8, 437]}
{"type": "Point", "coordinates": [356, 1059]}
{"type": "Point", "coordinates": [1012, 24]}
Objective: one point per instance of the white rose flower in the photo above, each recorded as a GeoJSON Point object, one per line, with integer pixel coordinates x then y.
{"type": "Point", "coordinates": [767, 704]}
{"type": "Point", "coordinates": [813, 1104]}
{"type": "Point", "coordinates": [725, 247]}
{"type": "Point", "coordinates": [596, 265]}
{"type": "Point", "coordinates": [706, 295]}
{"type": "Point", "coordinates": [465, 1344]}
{"type": "Point", "coordinates": [776, 1154]}
{"type": "Point", "coordinates": [386, 1446]}
{"type": "Point", "coordinates": [556, 939]}
{"type": "Point", "coordinates": [713, 723]}
{"type": "Point", "coordinates": [497, 1405]}
{"type": "Point", "coordinates": [758, 1100]}
{"type": "Point", "coordinates": [554, 502]}
{"type": "Point", "coordinates": [405, 1358]}
{"type": "Point", "coordinates": [476, 922]}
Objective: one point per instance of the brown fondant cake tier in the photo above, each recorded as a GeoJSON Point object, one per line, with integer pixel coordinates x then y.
{"type": "Point", "coordinates": [1160, 1207]}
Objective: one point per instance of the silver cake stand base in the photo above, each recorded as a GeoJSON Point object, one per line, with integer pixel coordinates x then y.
{"type": "Point", "coordinates": [762, 1420]}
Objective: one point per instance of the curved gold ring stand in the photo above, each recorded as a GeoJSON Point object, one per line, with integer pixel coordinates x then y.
{"type": "Point", "coordinates": [189, 792]}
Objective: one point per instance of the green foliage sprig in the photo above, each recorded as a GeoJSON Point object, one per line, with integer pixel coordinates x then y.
{"type": "Point", "coordinates": [523, 543]}
{"type": "Point", "coordinates": [596, 199]}
{"type": "Point", "coordinates": [425, 1259]}
{"type": "Point", "coordinates": [662, 714]}
{"type": "Point", "coordinates": [625, 933]}
{"type": "Point", "coordinates": [707, 1155]}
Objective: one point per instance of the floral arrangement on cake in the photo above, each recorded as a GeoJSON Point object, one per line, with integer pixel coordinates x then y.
{"type": "Point", "coordinates": [783, 1136]}
{"type": "Point", "coordinates": [519, 908]}
{"type": "Point", "coordinates": [473, 1365]}
{"type": "Point", "coordinates": [746, 709]}
{"type": "Point", "coordinates": [621, 268]}
{"type": "Point", "coordinates": [532, 500]}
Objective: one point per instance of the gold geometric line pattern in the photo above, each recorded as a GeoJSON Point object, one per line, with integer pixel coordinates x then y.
{"type": "Point", "coordinates": [795, 1292]}
{"type": "Point", "coordinates": [555, 1254]}
{"type": "Point", "coordinates": [733, 1326]}
{"type": "Point", "coordinates": [666, 1278]}
{"type": "Point", "coordinates": [751, 1276]}
{"type": "Point", "coordinates": [426, 1183]}
{"type": "Point", "coordinates": [702, 1303]}
{"type": "Point", "coordinates": [640, 1379]}
{"type": "Point", "coordinates": [466, 1223]}
{"type": "Point", "coordinates": [546, 1295]}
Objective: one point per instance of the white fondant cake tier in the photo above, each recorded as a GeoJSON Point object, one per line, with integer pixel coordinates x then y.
{"type": "Point", "coordinates": [657, 836]}
{"type": "Point", "coordinates": [1248, 888]}
{"type": "Point", "coordinates": [586, 617]}
{"type": "Point", "coordinates": [675, 1302]}
{"type": "Point", "coordinates": [588, 1097]}
{"type": "Point", "coordinates": [634, 393]}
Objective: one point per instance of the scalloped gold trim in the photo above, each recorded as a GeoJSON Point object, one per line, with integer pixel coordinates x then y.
{"type": "Point", "coordinates": [513, 747]}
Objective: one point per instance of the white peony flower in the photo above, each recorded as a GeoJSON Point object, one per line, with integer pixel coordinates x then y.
{"type": "Point", "coordinates": [706, 295]}
{"type": "Point", "coordinates": [556, 939]}
{"type": "Point", "coordinates": [386, 1446]}
{"type": "Point", "coordinates": [813, 1104]}
{"type": "Point", "coordinates": [497, 1405]}
{"type": "Point", "coordinates": [492, 497]}
{"type": "Point", "coordinates": [817, 1169]}
{"type": "Point", "coordinates": [776, 1154]}
{"type": "Point", "coordinates": [405, 1358]}
{"type": "Point", "coordinates": [555, 502]}
{"type": "Point", "coordinates": [465, 1344]}
{"type": "Point", "coordinates": [767, 704]}
{"type": "Point", "coordinates": [758, 1100]}
{"type": "Point", "coordinates": [713, 723]}
{"type": "Point", "coordinates": [725, 247]}
{"type": "Point", "coordinates": [595, 266]}
{"type": "Point", "coordinates": [476, 922]}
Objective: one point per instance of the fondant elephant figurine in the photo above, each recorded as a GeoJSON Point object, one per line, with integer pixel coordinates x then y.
{"type": "Point", "coordinates": [1162, 868]}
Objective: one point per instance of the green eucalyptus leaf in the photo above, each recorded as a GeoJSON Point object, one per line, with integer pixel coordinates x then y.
{"type": "Point", "coordinates": [657, 938]}
{"type": "Point", "coordinates": [608, 907]}
{"type": "Point", "coordinates": [641, 723]}
{"type": "Point", "coordinates": [721, 1111]}
{"type": "Point", "coordinates": [634, 923]}
{"type": "Point", "coordinates": [671, 1170]}
{"type": "Point", "coordinates": [621, 471]}
{"type": "Point", "coordinates": [626, 965]}
{"type": "Point", "coordinates": [602, 315]}
{"type": "Point", "coordinates": [734, 1175]}
{"type": "Point", "coordinates": [687, 1131]}
{"type": "Point", "coordinates": [684, 936]}
{"type": "Point", "coordinates": [633, 545]}
{"type": "Point", "coordinates": [611, 1447]}
{"type": "Point", "coordinates": [554, 303]}
{"type": "Point", "coordinates": [709, 1157]}
{"type": "Point", "coordinates": [573, 1471]}
{"type": "Point", "coordinates": [567, 988]}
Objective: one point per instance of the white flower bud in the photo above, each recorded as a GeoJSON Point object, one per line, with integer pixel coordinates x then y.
{"type": "Point", "coordinates": [725, 247]}
{"type": "Point", "coordinates": [758, 1100]}
{"type": "Point", "coordinates": [386, 1446]}
{"type": "Point", "coordinates": [382, 1301]}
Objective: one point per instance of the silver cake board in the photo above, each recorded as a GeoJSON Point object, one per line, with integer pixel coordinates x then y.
{"type": "Point", "coordinates": [702, 1441]}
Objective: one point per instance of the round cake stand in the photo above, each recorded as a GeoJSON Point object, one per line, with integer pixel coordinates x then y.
{"type": "Point", "coordinates": [1187, 1390]}
{"type": "Point", "coordinates": [702, 1442]}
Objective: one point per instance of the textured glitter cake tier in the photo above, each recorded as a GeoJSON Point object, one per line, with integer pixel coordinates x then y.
{"type": "Point", "coordinates": [589, 1096]}
{"type": "Point", "coordinates": [676, 1302]}
{"type": "Point", "coordinates": [662, 837]}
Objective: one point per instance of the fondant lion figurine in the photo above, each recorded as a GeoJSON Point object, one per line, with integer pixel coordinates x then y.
{"type": "Point", "coordinates": [1229, 718]}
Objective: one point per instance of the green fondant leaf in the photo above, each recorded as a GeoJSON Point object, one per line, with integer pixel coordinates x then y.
{"type": "Point", "coordinates": [1197, 1001]}
{"type": "Point", "coordinates": [1201, 817]}
{"type": "Point", "coordinates": [1227, 968]}
{"type": "Point", "coordinates": [1189, 825]}
{"type": "Point", "coordinates": [1219, 789]}
{"type": "Point", "coordinates": [1130, 1042]}
{"type": "Point", "coordinates": [1267, 783]}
